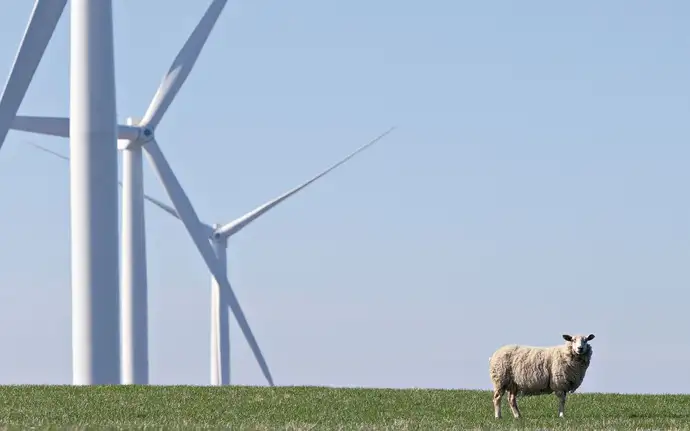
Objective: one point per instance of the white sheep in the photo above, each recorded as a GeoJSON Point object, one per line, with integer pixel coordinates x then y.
{"type": "Point", "coordinates": [526, 370]}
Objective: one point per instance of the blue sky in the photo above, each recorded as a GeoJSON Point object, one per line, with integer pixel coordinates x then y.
{"type": "Point", "coordinates": [536, 185]}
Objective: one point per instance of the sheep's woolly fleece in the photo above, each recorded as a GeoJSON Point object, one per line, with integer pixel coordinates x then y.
{"type": "Point", "coordinates": [539, 370]}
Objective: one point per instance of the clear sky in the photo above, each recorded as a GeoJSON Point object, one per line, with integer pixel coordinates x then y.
{"type": "Point", "coordinates": [536, 185]}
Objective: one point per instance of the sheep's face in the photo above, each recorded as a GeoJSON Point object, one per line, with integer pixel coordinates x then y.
{"type": "Point", "coordinates": [579, 343]}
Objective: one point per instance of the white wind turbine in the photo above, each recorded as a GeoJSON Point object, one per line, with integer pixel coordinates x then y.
{"type": "Point", "coordinates": [219, 235]}
{"type": "Point", "coordinates": [93, 174]}
{"type": "Point", "coordinates": [93, 132]}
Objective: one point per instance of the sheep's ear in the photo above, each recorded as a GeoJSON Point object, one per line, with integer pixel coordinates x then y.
{"type": "Point", "coordinates": [590, 337]}
{"type": "Point", "coordinates": [567, 337]}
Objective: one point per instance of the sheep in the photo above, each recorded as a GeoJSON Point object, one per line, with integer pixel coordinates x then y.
{"type": "Point", "coordinates": [527, 370]}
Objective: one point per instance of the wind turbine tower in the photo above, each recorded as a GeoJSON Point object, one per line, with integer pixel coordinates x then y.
{"type": "Point", "coordinates": [94, 196]}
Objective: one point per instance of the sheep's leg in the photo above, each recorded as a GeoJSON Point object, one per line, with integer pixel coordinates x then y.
{"type": "Point", "coordinates": [512, 400]}
{"type": "Point", "coordinates": [561, 403]}
{"type": "Point", "coordinates": [498, 395]}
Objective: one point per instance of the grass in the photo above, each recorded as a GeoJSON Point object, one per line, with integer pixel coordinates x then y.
{"type": "Point", "coordinates": [314, 408]}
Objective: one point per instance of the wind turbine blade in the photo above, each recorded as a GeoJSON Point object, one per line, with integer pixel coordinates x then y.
{"type": "Point", "coordinates": [59, 126]}
{"type": "Point", "coordinates": [44, 149]}
{"type": "Point", "coordinates": [54, 126]}
{"type": "Point", "coordinates": [195, 229]}
{"type": "Point", "coordinates": [39, 31]}
{"type": "Point", "coordinates": [238, 224]}
{"type": "Point", "coordinates": [165, 207]}
{"type": "Point", "coordinates": [182, 66]}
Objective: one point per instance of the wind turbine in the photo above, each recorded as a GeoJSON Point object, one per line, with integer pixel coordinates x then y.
{"type": "Point", "coordinates": [93, 174]}
{"type": "Point", "coordinates": [220, 234]}
{"type": "Point", "coordinates": [93, 133]}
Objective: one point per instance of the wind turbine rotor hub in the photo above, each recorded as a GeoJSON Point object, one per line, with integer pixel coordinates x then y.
{"type": "Point", "coordinates": [215, 235]}
{"type": "Point", "coordinates": [146, 134]}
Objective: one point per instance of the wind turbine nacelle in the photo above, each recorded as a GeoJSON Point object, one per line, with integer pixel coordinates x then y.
{"type": "Point", "coordinates": [132, 123]}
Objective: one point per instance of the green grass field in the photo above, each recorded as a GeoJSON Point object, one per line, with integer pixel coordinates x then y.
{"type": "Point", "coordinates": [313, 408]}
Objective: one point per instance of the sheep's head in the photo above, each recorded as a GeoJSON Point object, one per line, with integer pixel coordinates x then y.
{"type": "Point", "coordinates": [579, 343]}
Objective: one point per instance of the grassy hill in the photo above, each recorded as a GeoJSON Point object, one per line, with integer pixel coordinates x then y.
{"type": "Point", "coordinates": [303, 408]}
